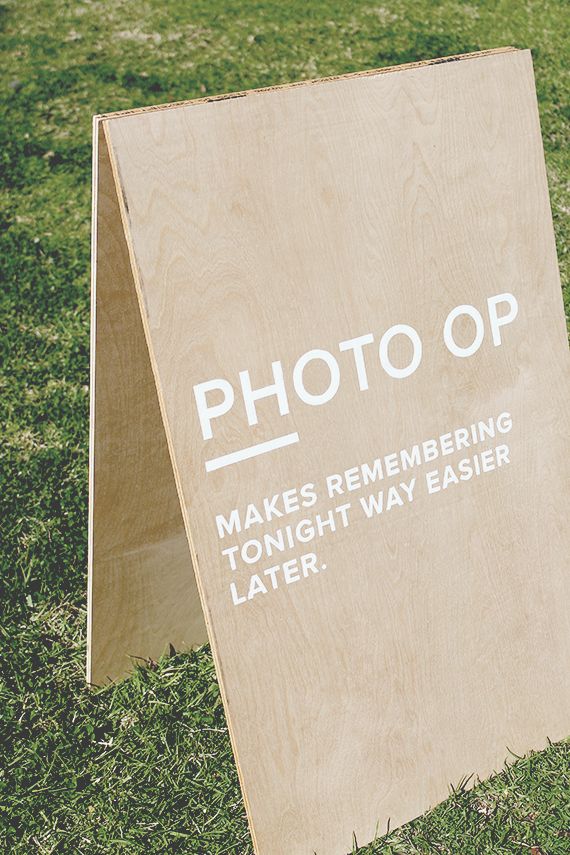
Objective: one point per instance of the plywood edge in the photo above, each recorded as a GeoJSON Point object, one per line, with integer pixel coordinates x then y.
{"type": "Point", "coordinates": [389, 69]}
{"type": "Point", "coordinates": [92, 339]}
{"type": "Point", "coordinates": [187, 523]}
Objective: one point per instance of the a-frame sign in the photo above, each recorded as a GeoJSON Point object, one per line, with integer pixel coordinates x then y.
{"type": "Point", "coordinates": [330, 422]}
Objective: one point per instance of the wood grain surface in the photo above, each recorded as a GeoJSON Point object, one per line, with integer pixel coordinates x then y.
{"type": "Point", "coordinates": [259, 228]}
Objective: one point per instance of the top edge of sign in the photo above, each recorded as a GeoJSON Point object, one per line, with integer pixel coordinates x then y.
{"type": "Point", "coordinates": [283, 86]}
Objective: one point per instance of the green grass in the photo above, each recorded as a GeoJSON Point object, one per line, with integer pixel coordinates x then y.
{"type": "Point", "coordinates": [146, 766]}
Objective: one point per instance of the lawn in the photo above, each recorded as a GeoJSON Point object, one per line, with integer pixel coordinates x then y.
{"type": "Point", "coordinates": [146, 766]}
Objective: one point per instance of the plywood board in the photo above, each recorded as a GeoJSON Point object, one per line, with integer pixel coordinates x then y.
{"type": "Point", "coordinates": [353, 316]}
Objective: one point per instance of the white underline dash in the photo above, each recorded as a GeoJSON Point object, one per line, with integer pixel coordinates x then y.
{"type": "Point", "coordinates": [251, 451]}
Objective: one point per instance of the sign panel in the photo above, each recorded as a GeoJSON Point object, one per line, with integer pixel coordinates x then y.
{"type": "Point", "coordinates": [341, 301]}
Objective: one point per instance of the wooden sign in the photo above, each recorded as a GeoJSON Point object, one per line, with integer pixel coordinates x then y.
{"type": "Point", "coordinates": [330, 431]}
